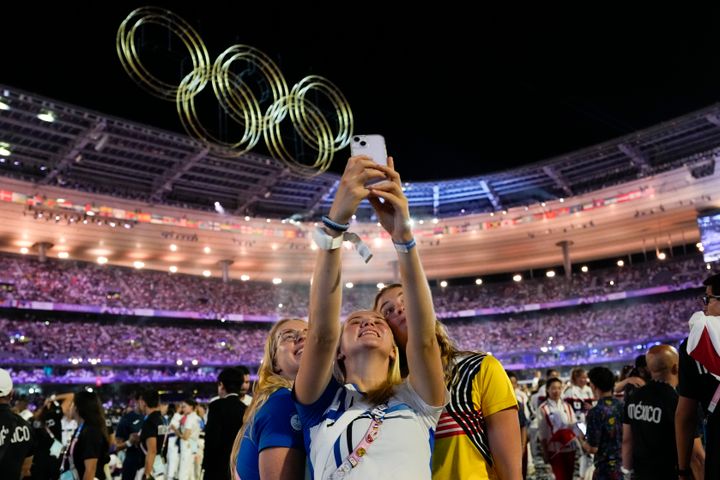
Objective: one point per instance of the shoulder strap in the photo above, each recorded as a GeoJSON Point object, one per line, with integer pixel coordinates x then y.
{"type": "Point", "coordinates": [337, 429]}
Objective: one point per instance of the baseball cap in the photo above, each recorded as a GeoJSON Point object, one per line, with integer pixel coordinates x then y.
{"type": "Point", "coordinates": [6, 384]}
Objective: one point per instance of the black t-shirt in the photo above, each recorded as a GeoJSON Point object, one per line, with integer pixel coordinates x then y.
{"type": "Point", "coordinates": [154, 426]}
{"type": "Point", "coordinates": [699, 384]}
{"type": "Point", "coordinates": [16, 442]}
{"type": "Point", "coordinates": [650, 412]}
{"type": "Point", "coordinates": [90, 443]}
{"type": "Point", "coordinates": [47, 428]}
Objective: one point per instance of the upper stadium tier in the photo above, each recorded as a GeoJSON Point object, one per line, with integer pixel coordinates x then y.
{"type": "Point", "coordinates": [64, 170]}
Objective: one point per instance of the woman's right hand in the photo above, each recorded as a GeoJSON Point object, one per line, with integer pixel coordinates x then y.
{"type": "Point", "coordinates": [351, 189]}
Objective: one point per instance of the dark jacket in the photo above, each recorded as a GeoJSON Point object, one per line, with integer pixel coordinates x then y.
{"type": "Point", "coordinates": [225, 417]}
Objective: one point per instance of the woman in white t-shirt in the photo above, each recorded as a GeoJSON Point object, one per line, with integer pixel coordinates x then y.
{"type": "Point", "coordinates": [365, 422]}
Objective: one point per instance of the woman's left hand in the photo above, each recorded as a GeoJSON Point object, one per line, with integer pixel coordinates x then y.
{"type": "Point", "coordinates": [394, 212]}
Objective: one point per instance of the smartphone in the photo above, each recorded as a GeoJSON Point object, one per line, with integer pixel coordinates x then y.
{"type": "Point", "coordinates": [582, 427]}
{"type": "Point", "coordinates": [371, 145]}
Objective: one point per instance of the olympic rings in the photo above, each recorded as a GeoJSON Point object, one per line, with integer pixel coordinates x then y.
{"type": "Point", "coordinates": [238, 99]}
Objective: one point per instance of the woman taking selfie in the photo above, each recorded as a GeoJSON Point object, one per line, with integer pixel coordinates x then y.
{"type": "Point", "coordinates": [366, 422]}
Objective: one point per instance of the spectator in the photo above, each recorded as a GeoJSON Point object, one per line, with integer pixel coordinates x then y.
{"type": "Point", "coordinates": [15, 456]}
{"type": "Point", "coordinates": [225, 417]}
{"type": "Point", "coordinates": [604, 427]}
{"type": "Point", "coordinates": [699, 384]}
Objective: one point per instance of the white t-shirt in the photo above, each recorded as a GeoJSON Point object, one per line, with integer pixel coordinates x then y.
{"type": "Point", "coordinates": [401, 450]}
{"type": "Point", "coordinates": [192, 423]}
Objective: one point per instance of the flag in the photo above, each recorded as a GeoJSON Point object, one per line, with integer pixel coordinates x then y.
{"type": "Point", "coordinates": [704, 341]}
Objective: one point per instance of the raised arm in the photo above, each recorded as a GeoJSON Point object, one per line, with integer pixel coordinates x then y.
{"type": "Point", "coordinates": [422, 349]}
{"type": "Point", "coordinates": [326, 289]}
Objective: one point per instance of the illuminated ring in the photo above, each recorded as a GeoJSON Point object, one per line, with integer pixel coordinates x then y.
{"type": "Point", "coordinates": [317, 123]}
{"type": "Point", "coordinates": [127, 52]}
{"type": "Point", "coordinates": [340, 104]}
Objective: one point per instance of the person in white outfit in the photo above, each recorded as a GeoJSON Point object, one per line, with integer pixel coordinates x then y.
{"type": "Point", "coordinates": [173, 446]}
{"type": "Point", "coordinates": [580, 397]}
{"type": "Point", "coordinates": [188, 437]}
{"type": "Point", "coordinates": [557, 436]}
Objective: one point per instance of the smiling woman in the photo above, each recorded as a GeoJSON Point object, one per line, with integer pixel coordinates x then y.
{"type": "Point", "coordinates": [365, 421]}
{"type": "Point", "coordinates": [269, 445]}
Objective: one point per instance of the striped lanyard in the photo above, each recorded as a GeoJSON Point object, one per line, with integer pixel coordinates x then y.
{"type": "Point", "coordinates": [377, 415]}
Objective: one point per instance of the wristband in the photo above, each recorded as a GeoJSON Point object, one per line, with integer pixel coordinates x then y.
{"type": "Point", "coordinates": [405, 247]}
{"type": "Point", "coordinates": [338, 227]}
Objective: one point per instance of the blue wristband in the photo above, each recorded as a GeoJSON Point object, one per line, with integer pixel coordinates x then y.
{"type": "Point", "coordinates": [405, 247]}
{"type": "Point", "coordinates": [338, 227]}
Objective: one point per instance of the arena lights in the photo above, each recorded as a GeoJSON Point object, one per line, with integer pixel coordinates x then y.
{"type": "Point", "coordinates": [435, 220]}
{"type": "Point", "coordinates": [561, 348]}
{"type": "Point", "coordinates": [380, 285]}
{"type": "Point", "coordinates": [542, 204]}
{"type": "Point", "coordinates": [244, 277]}
{"type": "Point", "coordinates": [102, 260]}
{"type": "Point", "coordinates": [194, 362]}
{"type": "Point", "coordinates": [178, 362]}
{"type": "Point", "coordinates": [562, 200]}
{"type": "Point", "coordinates": [138, 264]}
{"type": "Point", "coordinates": [620, 263]}
{"type": "Point", "coordinates": [661, 256]}
{"type": "Point", "coordinates": [206, 273]}
{"type": "Point", "coordinates": [478, 281]}
{"type": "Point", "coordinates": [173, 247]}
{"type": "Point", "coordinates": [517, 277]}
{"type": "Point", "coordinates": [443, 284]}
{"type": "Point", "coordinates": [206, 250]}
{"type": "Point", "coordinates": [699, 245]}
{"type": "Point", "coordinates": [313, 247]}
{"type": "Point", "coordinates": [349, 285]}
{"type": "Point", "coordinates": [707, 265]}
{"type": "Point", "coordinates": [24, 250]}
{"type": "Point", "coordinates": [4, 105]}
{"type": "Point", "coordinates": [173, 269]}
{"type": "Point", "coordinates": [247, 219]}
{"type": "Point", "coordinates": [5, 149]}
{"type": "Point", "coordinates": [46, 116]}
{"type": "Point", "coordinates": [550, 273]}
{"type": "Point", "coordinates": [277, 281]}
{"type": "Point", "coordinates": [280, 305]}
{"type": "Point", "coordinates": [612, 283]}
{"type": "Point", "coordinates": [584, 269]}
{"type": "Point", "coordinates": [63, 255]}
{"type": "Point", "coordinates": [544, 349]}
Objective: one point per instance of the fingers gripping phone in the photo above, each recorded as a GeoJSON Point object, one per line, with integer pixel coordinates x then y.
{"type": "Point", "coordinates": [371, 145]}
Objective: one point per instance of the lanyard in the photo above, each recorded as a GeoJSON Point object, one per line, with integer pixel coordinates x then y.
{"type": "Point", "coordinates": [71, 448]}
{"type": "Point", "coordinates": [353, 459]}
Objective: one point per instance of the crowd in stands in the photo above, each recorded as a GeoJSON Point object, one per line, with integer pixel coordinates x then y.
{"type": "Point", "coordinates": [71, 282]}
{"type": "Point", "coordinates": [29, 375]}
{"type": "Point", "coordinates": [571, 330]}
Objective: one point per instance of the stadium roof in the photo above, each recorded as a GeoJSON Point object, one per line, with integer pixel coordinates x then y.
{"type": "Point", "coordinates": [98, 153]}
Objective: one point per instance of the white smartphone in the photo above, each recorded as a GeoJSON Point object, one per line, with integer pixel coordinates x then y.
{"type": "Point", "coordinates": [371, 145]}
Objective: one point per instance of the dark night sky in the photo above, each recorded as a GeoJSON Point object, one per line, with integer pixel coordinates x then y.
{"type": "Point", "coordinates": [454, 93]}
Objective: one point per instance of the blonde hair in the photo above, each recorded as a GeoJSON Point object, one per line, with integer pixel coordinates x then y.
{"type": "Point", "coordinates": [448, 350]}
{"type": "Point", "coordinates": [382, 393]}
{"type": "Point", "coordinates": [269, 381]}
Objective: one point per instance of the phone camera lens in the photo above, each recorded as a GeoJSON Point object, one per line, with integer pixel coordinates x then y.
{"type": "Point", "coordinates": [363, 143]}
{"type": "Point", "coordinates": [357, 139]}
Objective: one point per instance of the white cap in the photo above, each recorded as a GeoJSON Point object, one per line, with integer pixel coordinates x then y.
{"type": "Point", "coordinates": [6, 384]}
